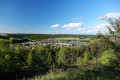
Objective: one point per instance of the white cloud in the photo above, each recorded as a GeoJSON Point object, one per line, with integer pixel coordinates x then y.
{"type": "Point", "coordinates": [111, 15]}
{"type": "Point", "coordinates": [56, 25]}
{"type": "Point", "coordinates": [99, 28]}
{"type": "Point", "coordinates": [72, 25]}
{"type": "Point", "coordinates": [82, 29]}
{"type": "Point", "coordinates": [77, 18]}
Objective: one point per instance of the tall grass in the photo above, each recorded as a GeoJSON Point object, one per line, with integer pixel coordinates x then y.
{"type": "Point", "coordinates": [51, 76]}
{"type": "Point", "coordinates": [75, 75]}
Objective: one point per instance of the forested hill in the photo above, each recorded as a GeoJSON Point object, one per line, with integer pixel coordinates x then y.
{"type": "Point", "coordinates": [45, 36]}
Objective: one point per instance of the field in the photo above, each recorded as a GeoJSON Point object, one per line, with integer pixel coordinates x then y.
{"type": "Point", "coordinates": [85, 39]}
{"type": "Point", "coordinates": [68, 38]}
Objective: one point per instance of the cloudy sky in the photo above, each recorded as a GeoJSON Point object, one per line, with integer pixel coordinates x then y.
{"type": "Point", "coordinates": [56, 16]}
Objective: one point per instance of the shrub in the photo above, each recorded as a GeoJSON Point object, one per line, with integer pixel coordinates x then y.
{"type": "Point", "coordinates": [107, 58]}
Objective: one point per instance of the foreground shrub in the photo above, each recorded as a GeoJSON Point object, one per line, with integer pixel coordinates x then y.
{"type": "Point", "coordinates": [107, 58]}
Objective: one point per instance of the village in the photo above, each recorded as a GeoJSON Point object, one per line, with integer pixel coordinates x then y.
{"type": "Point", "coordinates": [56, 43]}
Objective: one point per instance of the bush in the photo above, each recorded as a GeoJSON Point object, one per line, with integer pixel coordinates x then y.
{"type": "Point", "coordinates": [107, 58]}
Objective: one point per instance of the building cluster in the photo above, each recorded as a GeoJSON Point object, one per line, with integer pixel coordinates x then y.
{"type": "Point", "coordinates": [55, 42]}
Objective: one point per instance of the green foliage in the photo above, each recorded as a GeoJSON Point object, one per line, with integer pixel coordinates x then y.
{"type": "Point", "coordinates": [7, 56]}
{"type": "Point", "coordinates": [98, 46]}
{"type": "Point", "coordinates": [29, 59]}
{"type": "Point", "coordinates": [114, 28]}
{"type": "Point", "coordinates": [51, 53]}
{"type": "Point", "coordinates": [107, 58]}
{"type": "Point", "coordinates": [47, 36]}
{"type": "Point", "coordinates": [86, 57]}
{"type": "Point", "coordinates": [39, 57]}
{"type": "Point", "coordinates": [4, 43]}
{"type": "Point", "coordinates": [11, 40]}
{"type": "Point", "coordinates": [52, 76]}
{"type": "Point", "coordinates": [79, 61]}
{"type": "Point", "coordinates": [99, 60]}
{"type": "Point", "coordinates": [49, 58]}
{"type": "Point", "coordinates": [9, 61]}
{"type": "Point", "coordinates": [61, 56]}
{"type": "Point", "coordinates": [79, 74]}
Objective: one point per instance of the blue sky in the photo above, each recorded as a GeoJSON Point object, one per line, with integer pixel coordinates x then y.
{"type": "Point", "coordinates": [56, 16]}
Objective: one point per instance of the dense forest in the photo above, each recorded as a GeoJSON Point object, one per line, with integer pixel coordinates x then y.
{"type": "Point", "coordinates": [43, 36]}
{"type": "Point", "coordinates": [99, 60]}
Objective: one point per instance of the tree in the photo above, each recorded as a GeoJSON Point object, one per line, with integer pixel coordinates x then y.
{"type": "Point", "coordinates": [98, 46]}
{"type": "Point", "coordinates": [114, 27]}
{"type": "Point", "coordinates": [107, 58]}
{"type": "Point", "coordinates": [29, 59]}
{"type": "Point", "coordinates": [10, 61]}
{"type": "Point", "coordinates": [39, 57]}
{"type": "Point", "coordinates": [86, 57]}
{"type": "Point", "coordinates": [61, 56]}
{"type": "Point", "coordinates": [11, 40]}
{"type": "Point", "coordinates": [4, 43]}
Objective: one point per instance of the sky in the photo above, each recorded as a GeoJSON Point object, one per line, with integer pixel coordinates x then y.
{"type": "Point", "coordinates": [56, 16]}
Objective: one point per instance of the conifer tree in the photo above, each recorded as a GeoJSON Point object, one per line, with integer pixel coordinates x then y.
{"type": "Point", "coordinates": [29, 59]}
